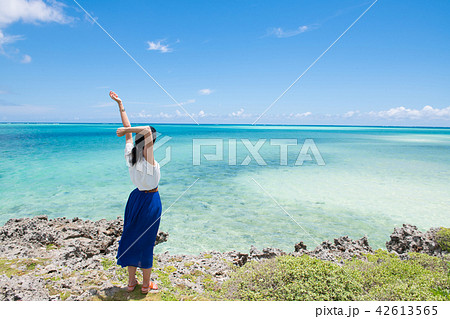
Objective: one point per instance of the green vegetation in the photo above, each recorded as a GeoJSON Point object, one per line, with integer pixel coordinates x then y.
{"type": "Point", "coordinates": [19, 267]}
{"type": "Point", "coordinates": [290, 278]}
{"type": "Point", "coordinates": [383, 277]}
{"type": "Point", "coordinates": [51, 247]}
{"type": "Point", "coordinates": [443, 238]}
{"type": "Point", "coordinates": [55, 278]}
{"type": "Point", "coordinates": [386, 277]}
{"type": "Point", "coordinates": [170, 269]}
{"type": "Point", "coordinates": [64, 295]}
{"type": "Point", "coordinates": [107, 263]}
{"type": "Point", "coordinates": [210, 286]}
{"type": "Point", "coordinates": [189, 277]}
{"type": "Point", "coordinates": [7, 268]}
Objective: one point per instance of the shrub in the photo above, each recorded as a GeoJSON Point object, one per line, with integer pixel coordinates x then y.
{"type": "Point", "coordinates": [386, 277]}
{"type": "Point", "coordinates": [290, 278]}
{"type": "Point", "coordinates": [383, 276]}
{"type": "Point", "coordinates": [443, 238]}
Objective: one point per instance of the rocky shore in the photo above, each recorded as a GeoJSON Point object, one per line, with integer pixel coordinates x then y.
{"type": "Point", "coordinates": [74, 259]}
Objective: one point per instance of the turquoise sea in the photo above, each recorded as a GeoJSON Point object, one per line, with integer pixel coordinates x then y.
{"type": "Point", "coordinates": [374, 179]}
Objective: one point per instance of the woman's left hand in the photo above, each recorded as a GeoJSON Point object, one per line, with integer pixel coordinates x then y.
{"type": "Point", "coordinates": [115, 97]}
{"type": "Point", "coordinates": [120, 131]}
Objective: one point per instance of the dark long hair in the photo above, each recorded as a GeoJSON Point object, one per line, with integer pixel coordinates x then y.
{"type": "Point", "coordinates": [137, 153]}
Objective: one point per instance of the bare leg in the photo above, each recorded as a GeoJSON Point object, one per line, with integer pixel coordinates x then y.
{"type": "Point", "coordinates": [131, 275]}
{"type": "Point", "coordinates": [146, 272]}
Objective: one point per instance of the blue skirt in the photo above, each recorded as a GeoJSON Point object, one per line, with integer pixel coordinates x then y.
{"type": "Point", "coordinates": [141, 223]}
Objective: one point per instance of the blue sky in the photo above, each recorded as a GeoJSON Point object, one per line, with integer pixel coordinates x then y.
{"type": "Point", "coordinates": [226, 61]}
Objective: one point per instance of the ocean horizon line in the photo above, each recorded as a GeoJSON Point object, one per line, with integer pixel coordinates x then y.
{"type": "Point", "coordinates": [231, 124]}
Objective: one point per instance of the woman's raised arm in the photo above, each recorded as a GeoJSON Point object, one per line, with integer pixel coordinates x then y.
{"type": "Point", "coordinates": [148, 139]}
{"type": "Point", "coordinates": [123, 116]}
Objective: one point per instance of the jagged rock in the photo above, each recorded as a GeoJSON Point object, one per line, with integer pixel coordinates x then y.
{"type": "Point", "coordinates": [341, 249]}
{"type": "Point", "coordinates": [22, 288]}
{"type": "Point", "coordinates": [299, 247]}
{"type": "Point", "coordinates": [69, 244]}
{"type": "Point", "coordinates": [74, 259]}
{"type": "Point", "coordinates": [409, 239]}
{"type": "Point", "coordinates": [240, 259]}
{"type": "Point", "coordinates": [80, 239]}
{"type": "Point", "coordinates": [267, 253]}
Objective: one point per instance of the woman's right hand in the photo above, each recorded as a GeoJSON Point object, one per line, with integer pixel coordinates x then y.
{"type": "Point", "coordinates": [120, 131]}
{"type": "Point", "coordinates": [115, 97]}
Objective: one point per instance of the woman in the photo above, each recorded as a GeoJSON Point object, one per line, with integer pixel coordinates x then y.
{"type": "Point", "coordinates": [143, 209]}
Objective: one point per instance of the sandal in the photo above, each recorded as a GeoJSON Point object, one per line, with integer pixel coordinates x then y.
{"type": "Point", "coordinates": [131, 288]}
{"type": "Point", "coordinates": [151, 286]}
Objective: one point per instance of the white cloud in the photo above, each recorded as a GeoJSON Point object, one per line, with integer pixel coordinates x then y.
{"type": "Point", "coordinates": [427, 112]}
{"type": "Point", "coordinates": [300, 115]}
{"type": "Point", "coordinates": [145, 115]}
{"type": "Point", "coordinates": [158, 46]}
{"type": "Point", "coordinates": [180, 114]}
{"type": "Point", "coordinates": [280, 33]}
{"type": "Point", "coordinates": [351, 114]}
{"type": "Point", "coordinates": [165, 115]}
{"type": "Point", "coordinates": [402, 113]}
{"type": "Point", "coordinates": [141, 114]}
{"type": "Point", "coordinates": [205, 91]}
{"type": "Point", "coordinates": [31, 11]}
{"type": "Point", "coordinates": [26, 59]}
{"type": "Point", "coordinates": [240, 114]}
{"type": "Point", "coordinates": [170, 115]}
{"type": "Point", "coordinates": [5, 39]}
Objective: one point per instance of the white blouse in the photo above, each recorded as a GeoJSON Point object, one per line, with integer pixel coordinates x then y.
{"type": "Point", "coordinates": [144, 175]}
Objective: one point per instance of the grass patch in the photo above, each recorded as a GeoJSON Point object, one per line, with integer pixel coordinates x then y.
{"type": "Point", "coordinates": [188, 277]}
{"type": "Point", "coordinates": [170, 269]}
{"type": "Point", "coordinates": [10, 267]}
{"type": "Point", "coordinates": [64, 295]}
{"type": "Point", "coordinates": [107, 263]}
{"type": "Point", "coordinates": [443, 238]}
{"type": "Point", "coordinates": [51, 247]}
